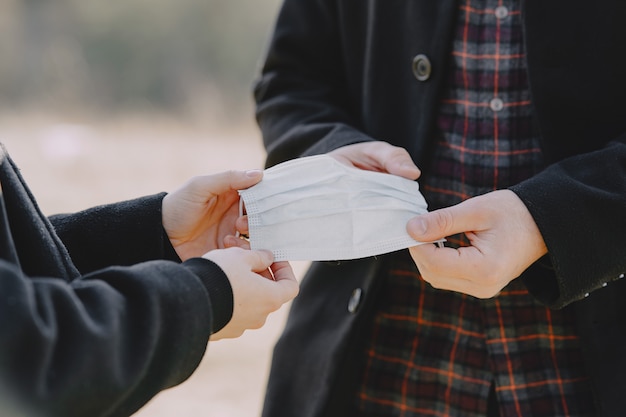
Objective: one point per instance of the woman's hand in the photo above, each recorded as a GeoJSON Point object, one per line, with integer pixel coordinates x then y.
{"type": "Point", "coordinates": [255, 296]}
{"type": "Point", "coordinates": [200, 214]}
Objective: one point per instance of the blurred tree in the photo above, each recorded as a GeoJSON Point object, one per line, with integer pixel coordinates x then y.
{"type": "Point", "coordinates": [193, 58]}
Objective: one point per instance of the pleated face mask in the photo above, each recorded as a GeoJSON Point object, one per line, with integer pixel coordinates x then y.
{"type": "Point", "coordinates": [318, 209]}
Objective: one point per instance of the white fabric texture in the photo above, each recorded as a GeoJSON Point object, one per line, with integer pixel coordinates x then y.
{"type": "Point", "coordinates": [318, 209]}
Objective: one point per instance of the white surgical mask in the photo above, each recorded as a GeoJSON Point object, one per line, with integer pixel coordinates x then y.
{"type": "Point", "coordinates": [318, 209]}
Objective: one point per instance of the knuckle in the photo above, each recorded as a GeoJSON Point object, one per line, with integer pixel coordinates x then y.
{"type": "Point", "coordinates": [229, 176]}
{"type": "Point", "coordinates": [444, 219]}
{"type": "Point", "coordinates": [398, 152]}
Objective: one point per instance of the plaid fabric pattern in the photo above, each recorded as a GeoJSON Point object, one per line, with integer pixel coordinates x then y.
{"type": "Point", "coordinates": [438, 353]}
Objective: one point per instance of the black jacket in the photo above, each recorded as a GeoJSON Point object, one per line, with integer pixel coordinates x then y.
{"type": "Point", "coordinates": [94, 320]}
{"type": "Point", "coordinates": [340, 72]}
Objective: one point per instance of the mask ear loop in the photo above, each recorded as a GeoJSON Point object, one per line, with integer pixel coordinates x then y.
{"type": "Point", "coordinates": [237, 234]}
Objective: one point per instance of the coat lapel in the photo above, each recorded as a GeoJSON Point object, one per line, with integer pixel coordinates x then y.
{"type": "Point", "coordinates": [7, 247]}
{"type": "Point", "coordinates": [28, 239]}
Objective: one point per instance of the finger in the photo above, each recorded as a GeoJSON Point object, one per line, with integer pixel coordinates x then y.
{"type": "Point", "coordinates": [397, 161]}
{"type": "Point", "coordinates": [283, 271]}
{"type": "Point", "coordinates": [464, 286]}
{"type": "Point", "coordinates": [462, 270]}
{"type": "Point", "coordinates": [462, 263]}
{"type": "Point", "coordinates": [241, 224]}
{"type": "Point", "coordinates": [245, 179]}
{"type": "Point", "coordinates": [226, 181]}
{"type": "Point", "coordinates": [379, 156]}
{"type": "Point", "coordinates": [286, 280]}
{"type": "Point", "coordinates": [382, 156]}
{"type": "Point", "coordinates": [231, 241]}
{"type": "Point", "coordinates": [428, 258]}
{"type": "Point", "coordinates": [440, 223]}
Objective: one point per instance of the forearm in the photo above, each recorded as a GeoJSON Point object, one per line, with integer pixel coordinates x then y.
{"type": "Point", "coordinates": [108, 342]}
{"type": "Point", "coordinates": [123, 233]}
{"type": "Point", "coordinates": [305, 103]}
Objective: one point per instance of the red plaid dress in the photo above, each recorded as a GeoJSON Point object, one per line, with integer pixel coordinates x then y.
{"type": "Point", "coordinates": [440, 353]}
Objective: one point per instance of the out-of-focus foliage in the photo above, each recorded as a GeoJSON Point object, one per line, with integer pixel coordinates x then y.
{"type": "Point", "coordinates": [191, 57]}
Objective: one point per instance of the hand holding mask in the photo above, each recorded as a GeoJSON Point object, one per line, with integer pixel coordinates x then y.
{"type": "Point", "coordinates": [317, 209]}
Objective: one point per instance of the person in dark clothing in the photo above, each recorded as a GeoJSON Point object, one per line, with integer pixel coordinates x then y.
{"type": "Point", "coordinates": [515, 114]}
{"type": "Point", "coordinates": [102, 309]}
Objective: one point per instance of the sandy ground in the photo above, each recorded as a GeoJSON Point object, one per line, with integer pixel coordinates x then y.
{"type": "Point", "coordinates": [73, 166]}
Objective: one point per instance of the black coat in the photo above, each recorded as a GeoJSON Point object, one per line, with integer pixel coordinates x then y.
{"type": "Point", "coordinates": [94, 318]}
{"type": "Point", "coordinates": [340, 72]}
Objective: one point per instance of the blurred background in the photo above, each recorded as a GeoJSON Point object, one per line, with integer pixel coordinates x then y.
{"type": "Point", "coordinates": [104, 100]}
{"type": "Point", "coordinates": [190, 59]}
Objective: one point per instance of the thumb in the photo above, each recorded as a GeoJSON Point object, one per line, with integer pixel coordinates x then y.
{"type": "Point", "coordinates": [226, 181]}
{"type": "Point", "coordinates": [243, 179]}
{"type": "Point", "coordinates": [401, 164]}
{"type": "Point", "coordinates": [438, 224]}
{"type": "Point", "coordinates": [397, 161]}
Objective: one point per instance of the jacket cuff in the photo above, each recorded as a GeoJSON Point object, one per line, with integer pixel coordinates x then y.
{"type": "Point", "coordinates": [218, 286]}
{"type": "Point", "coordinates": [169, 253]}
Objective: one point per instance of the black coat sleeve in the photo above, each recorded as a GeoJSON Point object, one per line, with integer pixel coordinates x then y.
{"type": "Point", "coordinates": [579, 205]}
{"type": "Point", "coordinates": [107, 342]}
{"type": "Point", "coordinates": [304, 100]}
{"type": "Point", "coordinates": [123, 233]}
{"type": "Point", "coordinates": [104, 341]}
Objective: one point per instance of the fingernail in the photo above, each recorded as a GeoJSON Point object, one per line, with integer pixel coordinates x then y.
{"type": "Point", "coordinates": [253, 173]}
{"type": "Point", "coordinates": [418, 225]}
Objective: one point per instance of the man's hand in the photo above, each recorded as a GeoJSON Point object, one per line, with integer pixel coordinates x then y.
{"type": "Point", "coordinates": [200, 214]}
{"type": "Point", "coordinates": [504, 239]}
{"type": "Point", "coordinates": [378, 156]}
